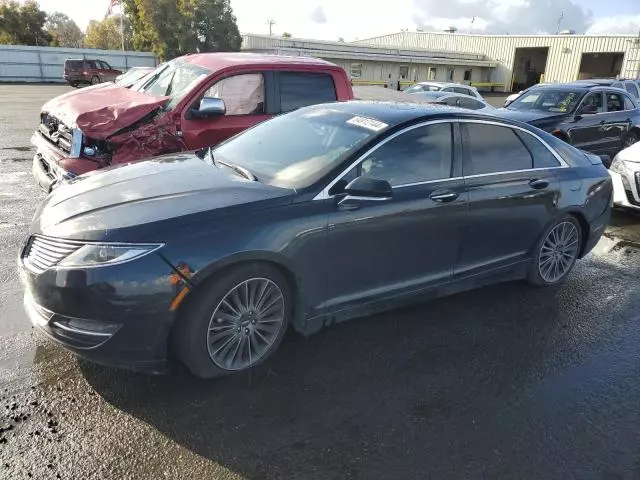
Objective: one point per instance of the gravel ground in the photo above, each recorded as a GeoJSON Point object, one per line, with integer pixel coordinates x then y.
{"type": "Point", "coordinates": [508, 381]}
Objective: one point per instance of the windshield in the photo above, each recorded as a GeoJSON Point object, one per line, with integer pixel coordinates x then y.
{"type": "Point", "coordinates": [132, 76]}
{"type": "Point", "coordinates": [174, 79]}
{"type": "Point", "coordinates": [548, 100]}
{"type": "Point", "coordinates": [422, 88]}
{"type": "Point", "coordinates": [297, 149]}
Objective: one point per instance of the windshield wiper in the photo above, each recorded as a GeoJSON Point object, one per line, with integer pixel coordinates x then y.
{"type": "Point", "coordinates": [236, 168]}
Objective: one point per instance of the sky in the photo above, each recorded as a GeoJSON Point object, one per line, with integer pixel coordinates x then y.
{"type": "Point", "coordinates": [361, 19]}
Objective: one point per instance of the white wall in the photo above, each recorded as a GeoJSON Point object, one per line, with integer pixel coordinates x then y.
{"type": "Point", "coordinates": [20, 63]}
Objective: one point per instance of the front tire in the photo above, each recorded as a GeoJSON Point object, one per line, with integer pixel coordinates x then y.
{"type": "Point", "coordinates": [556, 252]}
{"type": "Point", "coordinates": [95, 80]}
{"type": "Point", "coordinates": [235, 322]}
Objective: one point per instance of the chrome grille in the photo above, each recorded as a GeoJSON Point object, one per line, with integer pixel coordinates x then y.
{"type": "Point", "coordinates": [56, 132]}
{"type": "Point", "coordinates": [42, 253]}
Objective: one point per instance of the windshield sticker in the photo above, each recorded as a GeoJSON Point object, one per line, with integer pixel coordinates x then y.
{"type": "Point", "coordinates": [368, 123]}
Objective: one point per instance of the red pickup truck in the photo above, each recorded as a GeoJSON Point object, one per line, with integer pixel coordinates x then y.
{"type": "Point", "coordinates": [188, 103]}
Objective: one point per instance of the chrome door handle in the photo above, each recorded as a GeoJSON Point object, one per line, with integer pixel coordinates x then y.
{"type": "Point", "coordinates": [443, 197]}
{"type": "Point", "coordinates": [539, 183]}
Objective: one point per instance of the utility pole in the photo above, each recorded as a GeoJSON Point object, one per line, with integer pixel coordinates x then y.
{"type": "Point", "coordinates": [271, 22]}
{"type": "Point", "coordinates": [559, 22]}
{"type": "Point", "coordinates": [471, 28]}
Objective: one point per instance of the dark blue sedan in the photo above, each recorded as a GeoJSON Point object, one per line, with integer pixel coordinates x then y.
{"type": "Point", "coordinates": [327, 213]}
{"type": "Point", "coordinates": [589, 115]}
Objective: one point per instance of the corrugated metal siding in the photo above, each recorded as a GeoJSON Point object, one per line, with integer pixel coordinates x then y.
{"type": "Point", "coordinates": [565, 52]}
{"type": "Point", "coordinates": [19, 63]}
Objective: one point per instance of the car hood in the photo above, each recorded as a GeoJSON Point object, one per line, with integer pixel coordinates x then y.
{"type": "Point", "coordinates": [630, 154]}
{"type": "Point", "coordinates": [121, 203]}
{"type": "Point", "coordinates": [533, 117]}
{"type": "Point", "coordinates": [102, 110]}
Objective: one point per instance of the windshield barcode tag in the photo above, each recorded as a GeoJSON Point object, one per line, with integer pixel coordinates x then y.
{"type": "Point", "coordinates": [368, 123]}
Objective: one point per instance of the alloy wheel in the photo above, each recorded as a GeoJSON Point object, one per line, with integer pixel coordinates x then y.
{"type": "Point", "coordinates": [246, 324]}
{"type": "Point", "coordinates": [559, 252]}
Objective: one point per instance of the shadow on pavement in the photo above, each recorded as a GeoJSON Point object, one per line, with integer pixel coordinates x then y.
{"type": "Point", "coordinates": [428, 390]}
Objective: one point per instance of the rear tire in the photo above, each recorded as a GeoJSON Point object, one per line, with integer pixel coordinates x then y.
{"type": "Point", "coordinates": [556, 252]}
{"type": "Point", "coordinates": [236, 322]}
{"type": "Point", "coordinates": [95, 80]}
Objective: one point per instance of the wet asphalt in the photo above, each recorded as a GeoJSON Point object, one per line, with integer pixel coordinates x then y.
{"type": "Point", "coordinates": [509, 381]}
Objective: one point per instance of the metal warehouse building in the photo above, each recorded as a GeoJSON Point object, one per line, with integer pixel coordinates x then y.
{"type": "Point", "coordinates": [388, 66]}
{"type": "Point", "coordinates": [504, 62]}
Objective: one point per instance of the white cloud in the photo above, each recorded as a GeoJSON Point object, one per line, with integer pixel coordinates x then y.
{"type": "Point", "coordinates": [620, 24]}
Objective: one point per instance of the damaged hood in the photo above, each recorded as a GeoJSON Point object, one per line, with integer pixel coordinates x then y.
{"type": "Point", "coordinates": [101, 111]}
{"type": "Point", "coordinates": [118, 203]}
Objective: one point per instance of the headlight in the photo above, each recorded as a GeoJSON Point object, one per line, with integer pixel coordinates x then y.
{"type": "Point", "coordinates": [618, 166]}
{"type": "Point", "coordinates": [76, 143]}
{"type": "Point", "coordinates": [98, 255]}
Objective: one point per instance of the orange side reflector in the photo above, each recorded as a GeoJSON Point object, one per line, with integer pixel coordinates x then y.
{"type": "Point", "coordinates": [178, 300]}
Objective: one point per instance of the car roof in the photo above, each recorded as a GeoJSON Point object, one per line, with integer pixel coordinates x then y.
{"type": "Point", "coordinates": [396, 113]}
{"type": "Point", "coordinates": [218, 61]}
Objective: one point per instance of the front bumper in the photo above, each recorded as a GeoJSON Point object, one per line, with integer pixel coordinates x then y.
{"type": "Point", "coordinates": [116, 316]}
{"type": "Point", "coordinates": [625, 191]}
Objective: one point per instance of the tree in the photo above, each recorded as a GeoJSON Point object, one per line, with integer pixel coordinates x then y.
{"type": "Point", "coordinates": [286, 35]}
{"type": "Point", "coordinates": [171, 28]}
{"type": "Point", "coordinates": [22, 24]}
{"type": "Point", "coordinates": [106, 34]}
{"type": "Point", "coordinates": [64, 31]}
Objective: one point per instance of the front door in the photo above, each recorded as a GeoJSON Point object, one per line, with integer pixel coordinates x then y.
{"type": "Point", "coordinates": [407, 243]}
{"type": "Point", "coordinates": [245, 99]}
{"type": "Point", "coordinates": [511, 196]}
{"type": "Point", "coordinates": [587, 131]}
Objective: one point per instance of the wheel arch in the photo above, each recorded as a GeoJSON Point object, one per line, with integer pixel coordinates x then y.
{"type": "Point", "coordinates": [207, 275]}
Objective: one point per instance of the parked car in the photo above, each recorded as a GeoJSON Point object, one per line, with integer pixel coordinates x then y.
{"type": "Point", "coordinates": [133, 75]}
{"type": "Point", "coordinates": [631, 86]}
{"type": "Point", "coordinates": [455, 100]}
{"type": "Point", "coordinates": [433, 86]}
{"type": "Point", "coordinates": [176, 109]}
{"type": "Point", "coordinates": [625, 172]}
{"type": "Point", "coordinates": [317, 216]}
{"type": "Point", "coordinates": [601, 120]}
{"type": "Point", "coordinates": [513, 96]}
{"type": "Point", "coordinates": [87, 71]}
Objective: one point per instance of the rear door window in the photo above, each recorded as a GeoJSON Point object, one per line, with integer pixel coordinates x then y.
{"type": "Point", "coordinates": [615, 102]}
{"type": "Point", "coordinates": [301, 89]}
{"type": "Point", "coordinates": [470, 103]}
{"type": "Point", "coordinates": [462, 90]}
{"type": "Point", "coordinates": [542, 156]}
{"type": "Point", "coordinates": [493, 149]}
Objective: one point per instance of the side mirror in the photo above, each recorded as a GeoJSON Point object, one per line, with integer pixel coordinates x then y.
{"type": "Point", "coordinates": [365, 189]}
{"type": "Point", "coordinates": [209, 108]}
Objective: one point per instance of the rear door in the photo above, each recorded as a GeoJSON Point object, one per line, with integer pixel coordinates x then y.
{"type": "Point", "coordinates": [511, 196]}
{"type": "Point", "coordinates": [248, 101]}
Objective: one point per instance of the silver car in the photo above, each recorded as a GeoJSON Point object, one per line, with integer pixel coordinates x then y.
{"type": "Point", "coordinates": [455, 100]}
{"type": "Point", "coordinates": [625, 173]}
{"type": "Point", "coordinates": [433, 86]}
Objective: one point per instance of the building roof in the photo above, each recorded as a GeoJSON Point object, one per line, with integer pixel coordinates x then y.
{"type": "Point", "coordinates": [218, 61]}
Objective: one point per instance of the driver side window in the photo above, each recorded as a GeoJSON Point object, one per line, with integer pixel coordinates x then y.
{"type": "Point", "coordinates": [592, 103]}
{"type": "Point", "coordinates": [419, 155]}
{"type": "Point", "coordinates": [242, 94]}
